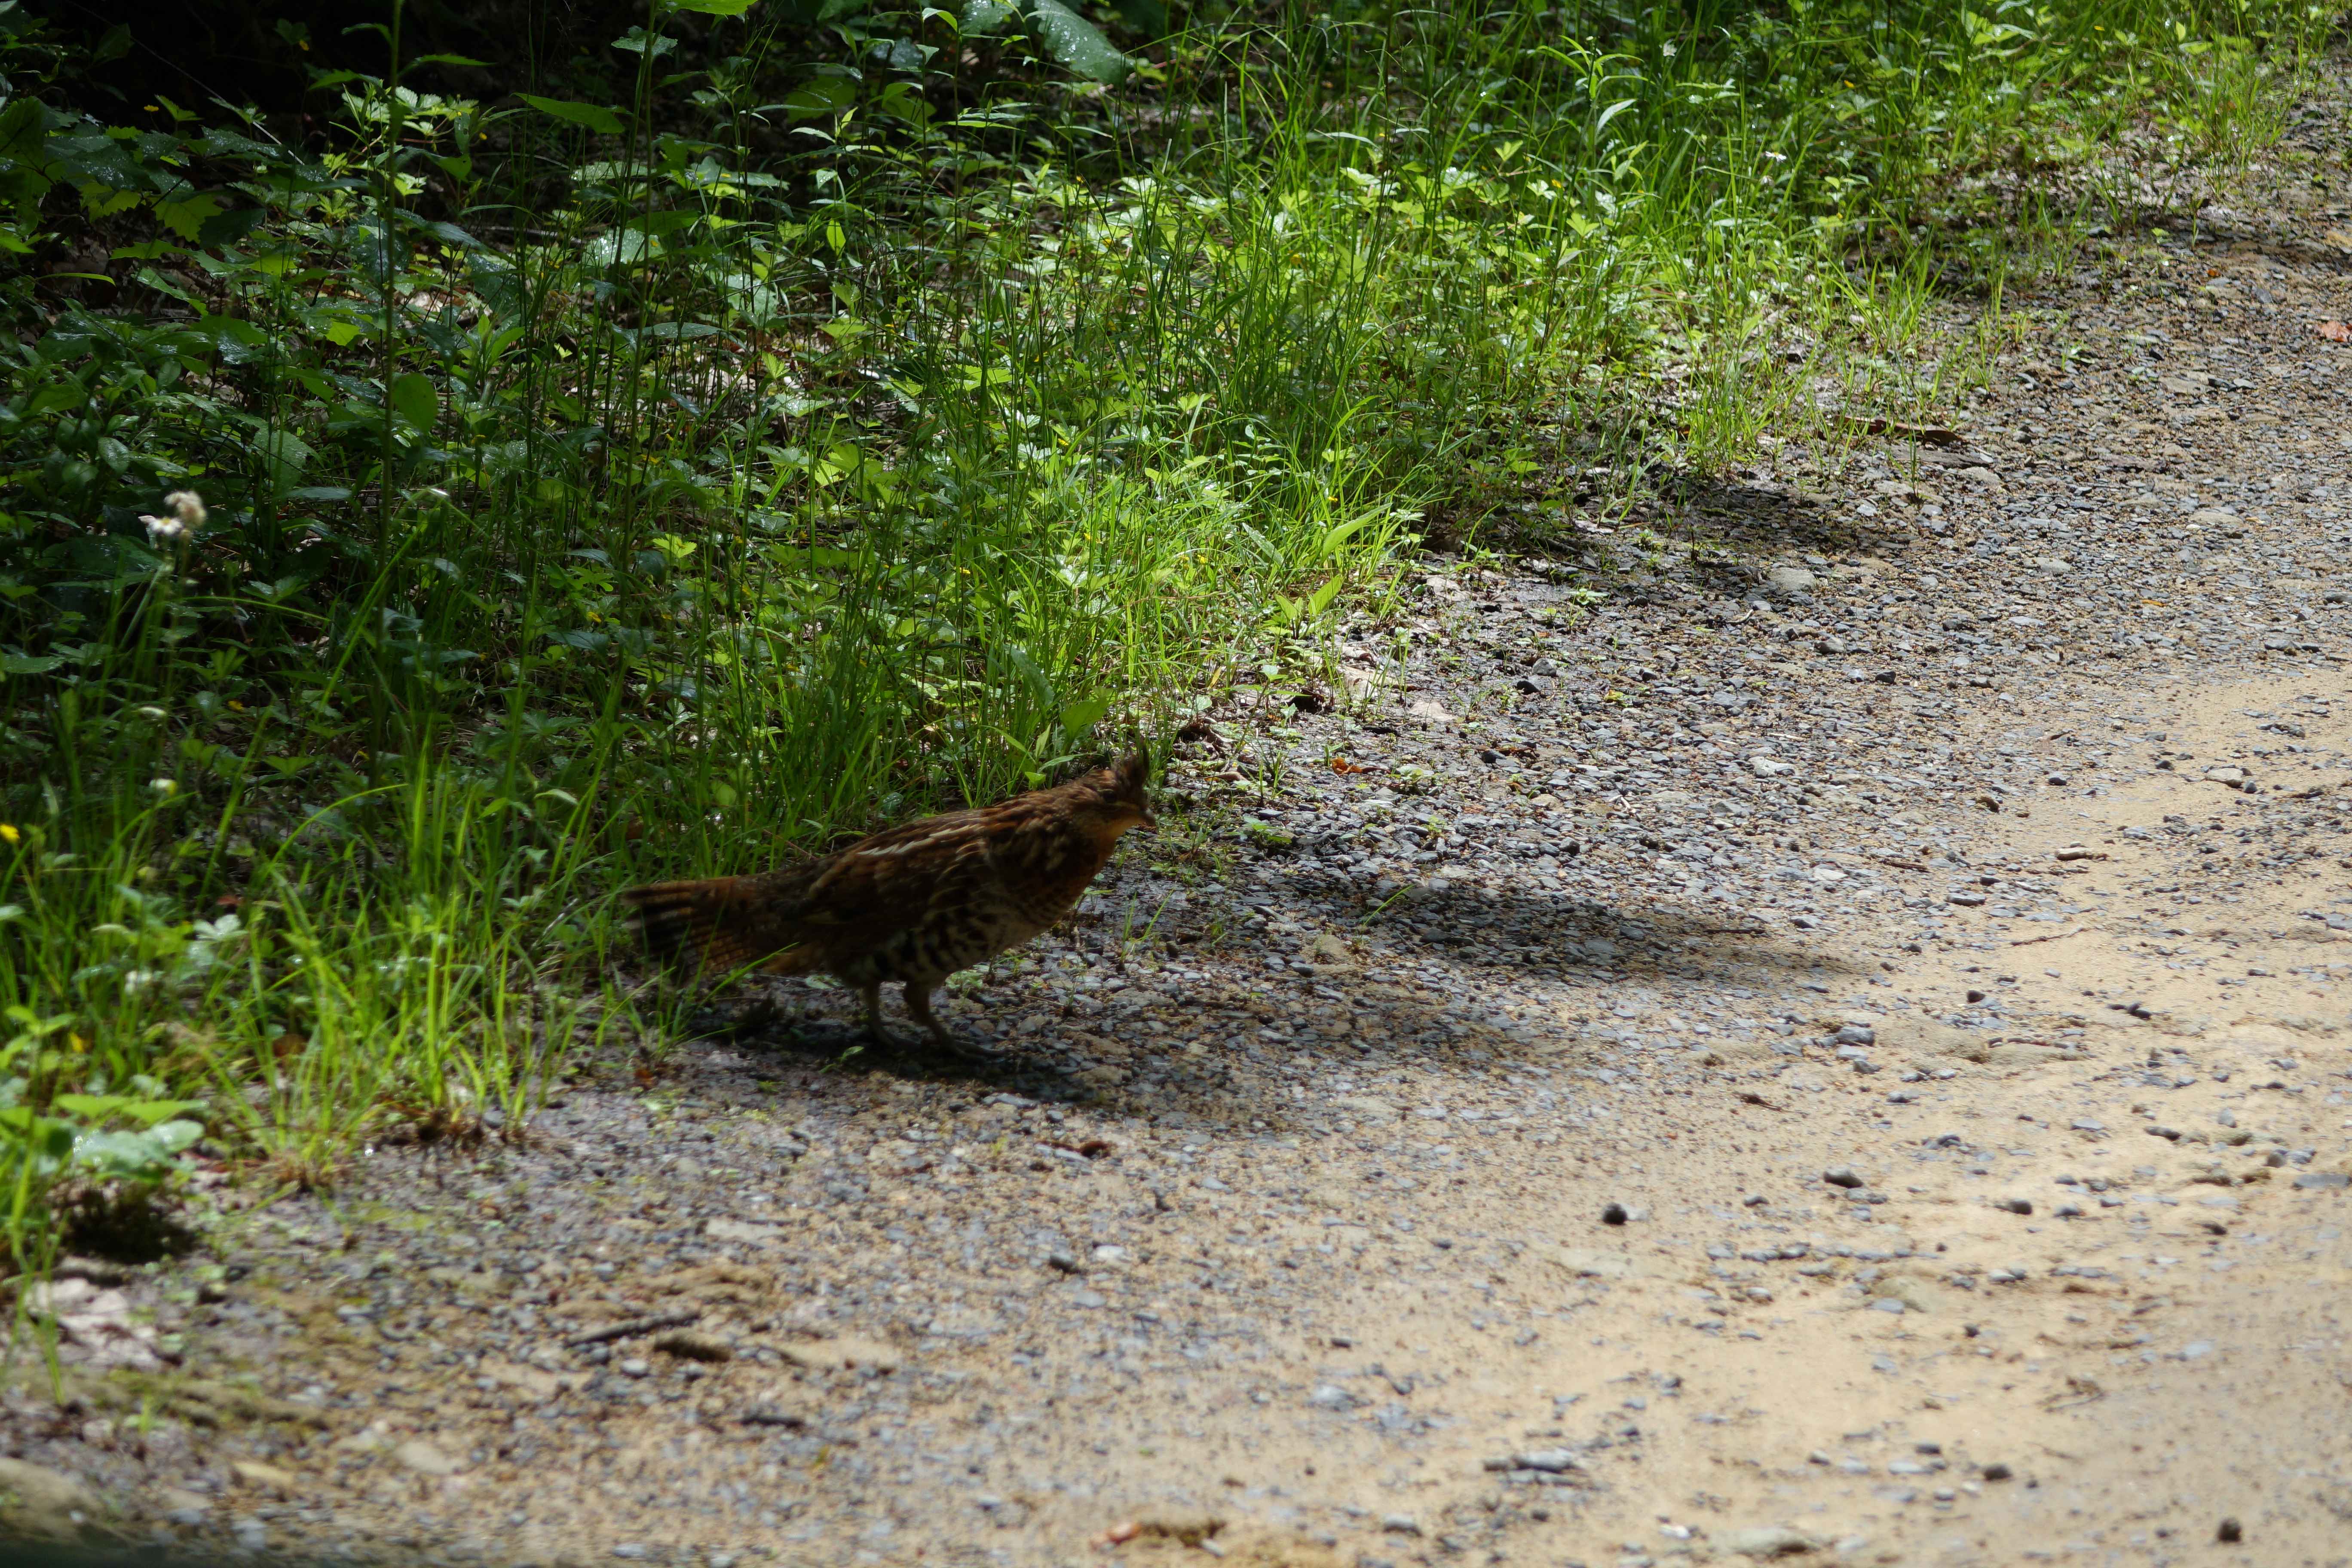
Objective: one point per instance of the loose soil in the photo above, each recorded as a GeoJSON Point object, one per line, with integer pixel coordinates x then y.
{"type": "Point", "coordinates": [1840, 1050]}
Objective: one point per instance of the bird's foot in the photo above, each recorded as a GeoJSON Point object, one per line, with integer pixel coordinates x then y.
{"type": "Point", "coordinates": [918, 1003]}
{"type": "Point", "coordinates": [967, 1051]}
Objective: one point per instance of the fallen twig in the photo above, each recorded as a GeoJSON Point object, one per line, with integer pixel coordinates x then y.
{"type": "Point", "coordinates": [1933, 435]}
{"type": "Point", "coordinates": [2047, 936]}
{"type": "Point", "coordinates": [632, 1328]}
{"type": "Point", "coordinates": [2079, 1391]}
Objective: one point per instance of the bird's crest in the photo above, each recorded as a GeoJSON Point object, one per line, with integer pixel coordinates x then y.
{"type": "Point", "coordinates": [1133, 772]}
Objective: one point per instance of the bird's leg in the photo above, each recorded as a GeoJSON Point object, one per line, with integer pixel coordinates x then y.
{"type": "Point", "coordinates": [871, 995]}
{"type": "Point", "coordinates": [919, 1006]}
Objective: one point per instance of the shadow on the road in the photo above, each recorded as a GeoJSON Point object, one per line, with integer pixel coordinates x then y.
{"type": "Point", "coordinates": [1745, 518]}
{"type": "Point", "coordinates": [1479, 931]}
{"type": "Point", "coordinates": [1559, 937]}
{"type": "Point", "coordinates": [751, 1024]}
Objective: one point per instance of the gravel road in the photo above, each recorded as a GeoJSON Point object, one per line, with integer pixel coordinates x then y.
{"type": "Point", "coordinates": [1838, 1049]}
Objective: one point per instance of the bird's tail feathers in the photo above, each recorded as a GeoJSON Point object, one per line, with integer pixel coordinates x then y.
{"type": "Point", "coordinates": [707, 927]}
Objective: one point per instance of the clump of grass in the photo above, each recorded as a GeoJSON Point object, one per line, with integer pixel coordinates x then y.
{"type": "Point", "coordinates": [830, 426]}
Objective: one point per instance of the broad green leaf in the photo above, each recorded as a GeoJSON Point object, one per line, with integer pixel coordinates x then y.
{"type": "Point", "coordinates": [1083, 715]}
{"type": "Point", "coordinates": [1078, 44]}
{"type": "Point", "coordinates": [56, 397]}
{"type": "Point", "coordinates": [714, 8]}
{"type": "Point", "coordinates": [446, 233]}
{"type": "Point", "coordinates": [155, 1111]}
{"type": "Point", "coordinates": [153, 280]}
{"type": "Point", "coordinates": [1321, 601]}
{"type": "Point", "coordinates": [285, 453]}
{"type": "Point", "coordinates": [185, 214]}
{"type": "Point", "coordinates": [1340, 533]}
{"type": "Point", "coordinates": [825, 95]}
{"type": "Point", "coordinates": [140, 1156]}
{"type": "Point", "coordinates": [45, 1137]}
{"type": "Point", "coordinates": [984, 17]}
{"type": "Point", "coordinates": [637, 41]}
{"type": "Point", "coordinates": [841, 460]}
{"type": "Point", "coordinates": [22, 664]}
{"type": "Point", "coordinates": [595, 117]}
{"type": "Point", "coordinates": [99, 1106]}
{"type": "Point", "coordinates": [234, 340]}
{"type": "Point", "coordinates": [415, 399]}
{"type": "Point", "coordinates": [673, 331]}
{"type": "Point", "coordinates": [175, 1136]}
{"type": "Point", "coordinates": [627, 245]}
{"type": "Point", "coordinates": [22, 125]}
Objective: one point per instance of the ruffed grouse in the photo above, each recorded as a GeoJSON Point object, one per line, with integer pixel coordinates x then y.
{"type": "Point", "coordinates": [914, 904]}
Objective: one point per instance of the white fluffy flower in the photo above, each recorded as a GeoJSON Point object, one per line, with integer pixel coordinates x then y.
{"type": "Point", "coordinates": [187, 516]}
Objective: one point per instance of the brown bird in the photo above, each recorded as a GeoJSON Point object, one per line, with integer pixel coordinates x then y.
{"type": "Point", "coordinates": [914, 904]}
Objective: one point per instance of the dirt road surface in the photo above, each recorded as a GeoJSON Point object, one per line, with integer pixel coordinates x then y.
{"type": "Point", "coordinates": [1838, 1051]}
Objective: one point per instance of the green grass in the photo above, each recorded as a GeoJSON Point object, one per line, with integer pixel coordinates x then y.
{"type": "Point", "coordinates": [657, 486]}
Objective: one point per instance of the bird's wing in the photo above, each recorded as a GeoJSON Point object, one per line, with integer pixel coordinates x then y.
{"type": "Point", "coordinates": [820, 913]}
{"type": "Point", "coordinates": [880, 886]}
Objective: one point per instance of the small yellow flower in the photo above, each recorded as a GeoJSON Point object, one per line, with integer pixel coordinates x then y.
{"type": "Point", "coordinates": [8, 831]}
{"type": "Point", "coordinates": [77, 1043]}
